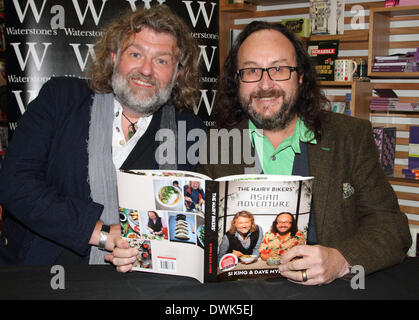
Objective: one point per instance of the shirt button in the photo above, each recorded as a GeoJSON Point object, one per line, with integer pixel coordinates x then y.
{"type": "Point", "coordinates": [117, 129]}
{"type": "Point", "coordinates": [117, 114]}
{"type": "Point", "coordinates": [273, 158]}
{"type": "Point", "coordinates": [121, 142]}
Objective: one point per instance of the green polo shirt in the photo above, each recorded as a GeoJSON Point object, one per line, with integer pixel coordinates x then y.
{"type": "Point", "coordinates": [281, 159]}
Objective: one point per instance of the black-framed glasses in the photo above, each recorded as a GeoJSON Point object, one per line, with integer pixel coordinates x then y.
{"type": "Point", "coordinates": [279, 73]}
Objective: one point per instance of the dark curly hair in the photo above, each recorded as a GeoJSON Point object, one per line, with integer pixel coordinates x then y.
{"type": "Point", "coordinates": [311, 100]}
{"type": "Point", "coordinates": [293, 229]}
{"type": "Point", "coordinates": [161, 19]}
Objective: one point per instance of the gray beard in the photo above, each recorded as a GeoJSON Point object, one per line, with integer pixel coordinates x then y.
{"type": "Point", "coordinates": [138, 104]}
{"type": "Point", "coordinates": [278, 121]}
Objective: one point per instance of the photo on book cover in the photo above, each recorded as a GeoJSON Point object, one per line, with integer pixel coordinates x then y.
{"type": "Point", "coordinates": [258, 222]}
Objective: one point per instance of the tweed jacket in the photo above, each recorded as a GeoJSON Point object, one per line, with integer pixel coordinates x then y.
{"type": "Point", "coordinates": [356, 209]}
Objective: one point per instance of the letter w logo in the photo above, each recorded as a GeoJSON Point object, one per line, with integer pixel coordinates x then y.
{"type": "Point", "coordinates": [204, 97]}
{"type": "Point", "coordinates": [194, 19]}
{"type": "Point", "coordinates": [37, 14]}
{"type": "Point", "coordinates": [31, 52]}
{"type": "Point", "coordinates": [203, 54]}
{"type": "Point", "coordinates": [90, 6]}
{"type": "Point", "coordinates": [91, 52]}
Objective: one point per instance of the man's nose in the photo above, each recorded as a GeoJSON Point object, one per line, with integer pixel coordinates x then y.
{"type": "Point", "coordinates": [266, 82]}
{"type": "Point", "coordinates": [146, 66]}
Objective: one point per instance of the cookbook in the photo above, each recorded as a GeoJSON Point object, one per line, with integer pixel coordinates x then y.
{"type": "Point", "coordinates": [236, 227]}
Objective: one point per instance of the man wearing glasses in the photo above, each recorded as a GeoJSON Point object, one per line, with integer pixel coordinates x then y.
{"type": "Point", "coordinates": [269, 91]}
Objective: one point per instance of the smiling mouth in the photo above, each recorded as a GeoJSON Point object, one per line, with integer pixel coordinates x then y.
{"type": "Point", "coordinates": [142, 83]}
{"type": "Point", "coordinates": [266, 98]}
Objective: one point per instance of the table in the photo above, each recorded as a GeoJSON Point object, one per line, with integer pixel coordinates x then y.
{"type": "Point", "coordinates": [103, 282]}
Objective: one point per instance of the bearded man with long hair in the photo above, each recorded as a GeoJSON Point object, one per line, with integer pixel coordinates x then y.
{"type": "Point", "coordinates": [58, 181]}
{"type": "Point", "coordinates": [269, 92]}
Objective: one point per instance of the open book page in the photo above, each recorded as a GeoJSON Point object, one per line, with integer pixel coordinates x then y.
{"type": "Point", "coordinates": [260, 217]}
{"type": "Point", "coordinates": [162, 214]}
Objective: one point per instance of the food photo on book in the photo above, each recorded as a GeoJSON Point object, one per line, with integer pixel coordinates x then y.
{"type": "Point", "coordinates": [231, 228]}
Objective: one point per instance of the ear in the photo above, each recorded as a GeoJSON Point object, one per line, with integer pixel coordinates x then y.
{"type": "Point", "coordinates": [179, 71]}
{"type": "Point", "coordinates": [300, 79]}
{"type": "Point", "coordinates": [113, 57]}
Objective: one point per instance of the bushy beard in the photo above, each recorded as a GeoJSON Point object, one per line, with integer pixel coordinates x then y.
{"type": "Point", "coordinates": [137, 102]}
{"type": "Point", "coordinates": [280, 119]}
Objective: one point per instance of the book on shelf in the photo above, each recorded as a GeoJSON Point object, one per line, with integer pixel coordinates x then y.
{"type": "Point", "coordinates": [385, 139]}
{"type": "Point", "coordinates": [326, 16]}
{"type": "Point", "coordinates": [388, 100]}
{"type": "Point", "coordinates": [409, 171]}
{"type": "Point", "coordinates": [323, 53]}
{"type": "Point", "coordinates": [398, 56]}
{"type": "Point", "coordinates": [413, 158]}
{"type": "Point", "coordinates": [392, 64]}
{"type": "Point", "coordinates": [391, 3]}
{"type": "Point", "coordinates": [392, 60]}
{"type": "Point", "coordinates": [395, 106]}
{"type": "Point", "coordinates": [403, 3]}
{"type": "Point", "coordinates": [233, 36]}
{"type": "Point", "coordinates": [299, 26]}
{"type": "Point", "coordinates": [390, 69]}
{"type": "Point", "coordinates": [182, 222]}
{"type": "Point", "coordinates": [411, 176]}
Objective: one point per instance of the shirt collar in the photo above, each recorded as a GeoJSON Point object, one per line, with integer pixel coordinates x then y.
{"type": "Point", "coordinates": [301, 133]}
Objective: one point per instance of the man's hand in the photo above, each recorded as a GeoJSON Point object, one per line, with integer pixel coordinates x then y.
{"type": "Point", "coordinates": [322, 264]}
{"type": "Point", "coordinates": [122, 256]}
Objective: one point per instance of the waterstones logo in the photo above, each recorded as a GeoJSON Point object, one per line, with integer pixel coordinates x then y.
{"type": "Point", "coordinates": [203, 54]}
{"type": "Point", "coordinates": [38, 57]}
{"type": "Point", "coordinates": [18, 95]}
{"type": "Point", "coordinates": [204, 99]}
{"type": "Point", "coordinates": [30, 53]}
{"type": "Point", "coordinates": [201, 12]}
{"type": "Point", "coordinates": [83, 61]}
{"type": "Point", "coordinates": [94, 9]}
{"type": "Point", "coordinates": [80, 33]}
{"type": "Point", "coordinates": [23, 9]}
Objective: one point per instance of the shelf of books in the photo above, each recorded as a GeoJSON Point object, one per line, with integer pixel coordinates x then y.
{"type": "Point", "coordinates": [388, 43]}
{"type": "Point", "coordinates": [381, 62]}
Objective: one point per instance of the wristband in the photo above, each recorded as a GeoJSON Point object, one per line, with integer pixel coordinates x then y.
{"type": "Point", "coordinates": [104, 232]}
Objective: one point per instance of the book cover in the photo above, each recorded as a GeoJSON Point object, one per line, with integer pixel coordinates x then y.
{"type": "Point", "coordinates": [403, 3]}
{"type": "Point", "coordinates": [178, 220]}
{"type": "Point", "coordinates": [413, 159]}
{"type": "Point", "coordinates": [276, 211]}
{"type": "Point", "coordinates": [392, 60]}
{"type": "Point", "coordinates": [326, 16]}
{"type": "Point", "coordinates": [385, 139]}
{"type": "Point", "coordinates": [389, 69]}
{"type": "Point", "coordinates": [391, 57]}
{"type": "Point", "coordinates": [323, 54]}
{"type": "Point", "coordinates": [300, 26]}
{"type": "Point", "coordinates": [389, 64]}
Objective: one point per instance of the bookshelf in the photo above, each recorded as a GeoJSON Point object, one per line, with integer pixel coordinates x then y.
{"type": "Point", "coordinates": [379, 36]}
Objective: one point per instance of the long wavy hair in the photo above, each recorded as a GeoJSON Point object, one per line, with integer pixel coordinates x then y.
{"type": "Point", "coordinates": [293, 228]}
{"type": "Point", "coordinates": [117, 36]}
{"type": "Point", "coordinates": [310, 101]}
{"type": "Point", "coordinates": [244, 214]}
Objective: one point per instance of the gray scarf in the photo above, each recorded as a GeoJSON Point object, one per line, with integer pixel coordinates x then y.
{"type": "Point", "coordinates": [102, 172]}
